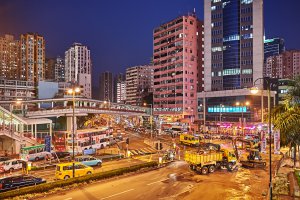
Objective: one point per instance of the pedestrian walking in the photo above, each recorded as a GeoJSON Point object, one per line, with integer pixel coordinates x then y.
{"type": "Point", "coordinates": [24, 167]}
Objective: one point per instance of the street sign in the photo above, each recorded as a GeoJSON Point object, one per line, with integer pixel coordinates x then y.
{"type": "Point", "coordinates": [48, 143]}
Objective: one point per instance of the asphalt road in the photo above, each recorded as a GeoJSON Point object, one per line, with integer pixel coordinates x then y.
{"type": "Point", "coordinates": [171, 181]}
{"type": "Point", "coordinates": [49, 173]}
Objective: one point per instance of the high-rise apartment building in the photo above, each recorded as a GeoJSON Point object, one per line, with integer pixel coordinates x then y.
{"type": "Point", "coordinates": [9, 57]}
{"type": "Point", "coordinates": [178, 66]}
{"type": "Point", "coordinates": [32, 57]}
{"type": "Point", "coordinates": [50, 69]}
{"type": "Point", "coordinates": [139, 79]}
{"type": "Point", "coordinates": [106, 87]}
{"type": "Point", "coordinates": [120, 88]}
{"type": "Point", "coordinates": [273, 47]}
{"type": "Point", "coordinates": [59, 69]}
{"type": "Point", "coordinates": [234, 48]}
{"type": "Point", "coordinates": [284, 65]}
{"type": "Point", "coordinates": [78, 68]}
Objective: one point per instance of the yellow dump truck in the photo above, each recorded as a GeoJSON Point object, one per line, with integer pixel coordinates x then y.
{"type": "Point", "coordinates": [205, 163]}
{"type": "Point", "coordinates": [190, 140]}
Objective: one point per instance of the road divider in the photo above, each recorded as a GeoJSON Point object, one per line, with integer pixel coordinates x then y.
{"type": "Point", "coordinates": [42, 188]}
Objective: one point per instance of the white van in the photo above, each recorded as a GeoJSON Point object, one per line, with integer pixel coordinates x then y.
{"type": "Point", "coordinates": [11, 165]}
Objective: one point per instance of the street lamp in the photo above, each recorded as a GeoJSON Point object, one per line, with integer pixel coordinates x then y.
{"type": "Point", "coordinates": [243, 104]}
{"type": "Point", "coordinates": [151, 116]}
{"type": "Point", "coordinates": [254, 90]}
{"type": "Point", "coordinates": [17, 102]}
{"type": "Point", "coordinates": [73, 91]}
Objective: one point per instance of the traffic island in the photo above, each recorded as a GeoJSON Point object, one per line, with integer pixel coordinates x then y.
{"type": "Point", "coordinates": [42, 189]}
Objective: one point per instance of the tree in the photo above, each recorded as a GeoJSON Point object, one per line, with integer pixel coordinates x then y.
{"type": "Point", "coordinates": [286, 117]}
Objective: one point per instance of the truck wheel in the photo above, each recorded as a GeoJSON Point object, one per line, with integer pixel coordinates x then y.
{"type": "Point", "coordinates": [66, 177]}
{"type": "Point", "coordinates": [211, 169]}
{"type": "Point", "coordinates": [204, 170]}
{"type": "Point", "coordinates": [230, 165]}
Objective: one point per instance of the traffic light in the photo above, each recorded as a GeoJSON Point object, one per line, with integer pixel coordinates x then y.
{"type": "Point", "coordinates": [127, 141]}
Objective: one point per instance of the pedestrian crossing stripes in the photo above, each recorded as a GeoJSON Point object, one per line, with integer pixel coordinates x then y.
{"type": "Point", "coordinates": [143, 151]}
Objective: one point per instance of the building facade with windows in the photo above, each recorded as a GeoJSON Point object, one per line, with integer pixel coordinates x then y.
{"type": "Point", "coordinates": [120, 88]}
{"type": "Point", "coordinates": [106, 87]}
{"type": "Point", "coordinates": [50, 69]}
{"type": "Point", "coordinates": [11, 90]}
{"type": "Point", "coordinates": [9, 57]}
{"type": "Point", "coordinates": [78, 67]}
{"type": "Point", "coordinates": [32, 57]}
{"type": "Point", "coordinates": [59, 69]}
{"type": "Point", "coordinates": [234, 57]}
{"type": "Point", "coordinates": [283, 66]}
{"type": "Point", "coordinates": [234, 48]}
{"type": "Point", "coordinates": [273, 47]}
{"type": "Point", "coordinates": [138, 80]}
{"type": "Point", "coordinates": [178, 67]}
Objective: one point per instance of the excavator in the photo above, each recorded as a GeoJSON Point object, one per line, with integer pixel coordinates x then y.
{"type": "Point", "coordinates": [254, 159]}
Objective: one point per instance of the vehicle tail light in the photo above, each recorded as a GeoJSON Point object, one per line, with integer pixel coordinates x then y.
{"type": "Point", "coordinates": [1, 185]}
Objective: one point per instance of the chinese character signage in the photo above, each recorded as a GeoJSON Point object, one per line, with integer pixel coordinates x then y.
{"type": "Point", "coordinates": [276, 142]}
{"type": "Point", "coordinates": [48, 143]}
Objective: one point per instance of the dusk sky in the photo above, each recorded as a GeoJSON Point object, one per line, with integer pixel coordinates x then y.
{"type": "Point", "coordinates": [119, 32]}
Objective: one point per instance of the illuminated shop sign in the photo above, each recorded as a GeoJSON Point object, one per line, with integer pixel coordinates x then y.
{"type": "Point", "coordinates": [229, 109]}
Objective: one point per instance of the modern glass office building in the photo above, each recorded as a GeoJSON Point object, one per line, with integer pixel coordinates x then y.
{"type": "Point", "coordinates": [234, 57]}
{"type": "Point", "coordinates": [273, 47]}
{"type": "Point", "coordinates": [233, 43]}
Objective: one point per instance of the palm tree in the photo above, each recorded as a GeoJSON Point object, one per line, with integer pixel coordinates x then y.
{"type": "Point", "coordinates": [286, 117]}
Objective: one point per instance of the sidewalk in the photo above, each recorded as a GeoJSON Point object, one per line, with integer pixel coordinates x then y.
{"type": "Point", "coordinates": [285, 184]}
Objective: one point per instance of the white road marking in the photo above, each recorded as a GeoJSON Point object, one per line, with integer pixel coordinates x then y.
{"type": "Point", "coordinates": [68, 198]}
{"type": "Point", "coordinates": [116, 194]}
{"type": "Point", "coordinates": [157, 181]}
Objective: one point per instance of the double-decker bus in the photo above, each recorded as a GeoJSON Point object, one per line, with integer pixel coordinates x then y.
{"type": "Point", "coordinates": [84, 139]}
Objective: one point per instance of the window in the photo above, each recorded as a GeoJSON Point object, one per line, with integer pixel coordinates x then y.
{"type": "Point", "coordinates": [231, 38]}
{"type": "Point", "coordinates": [247, 71]}
{"type": "Point", "coordinates": [227, 72]}
{"type": "Point", "coordinates": [246, 1]}
{"type": "Point", "coordinates": [215, 49]}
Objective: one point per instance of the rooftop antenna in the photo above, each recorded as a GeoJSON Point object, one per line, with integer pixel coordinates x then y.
{"type": "Point", "coordinates": [194, 10]}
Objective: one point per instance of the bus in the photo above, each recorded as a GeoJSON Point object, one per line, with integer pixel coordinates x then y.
{"type": "Point", "coordinates": [84, 139]}
{"type": "Point", "coordinates": [34, 153]}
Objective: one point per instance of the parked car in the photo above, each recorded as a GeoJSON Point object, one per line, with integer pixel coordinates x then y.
{"type": "Point", "coordinates": [89, 160]}
{"type": "Point", "coordinates": [11, 165]}
{"type": "Point", "coordinates": [64, 171]}
{"type": "Point", "coordinates": [2, 158]}
{"type": "Point", "coordinates": [14, 182]}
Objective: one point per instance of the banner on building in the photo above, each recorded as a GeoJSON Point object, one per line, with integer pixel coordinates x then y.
{"type": "Point", "coordinates": [48, 143]}
{"type": "Point", "coordinates": [276, 134]}
{"type": "Point", "coordinates": [263, 142]}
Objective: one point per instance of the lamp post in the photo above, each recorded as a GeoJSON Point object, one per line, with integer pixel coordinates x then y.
{"type": "Point", "coordinates": [17, 102]}
{"type": "Point", "coordinates": [151, 117]}
{"type": "Point", "coordinates": [73, 91]}
{"type": "Point", "coordinates": [221, 106]}
{"type": "Point", "coordinates": [109, 120]}
{"type": "Point", "coordinates": [243, 104]}
{"type": "Point", "coordinates": [254, 90]}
